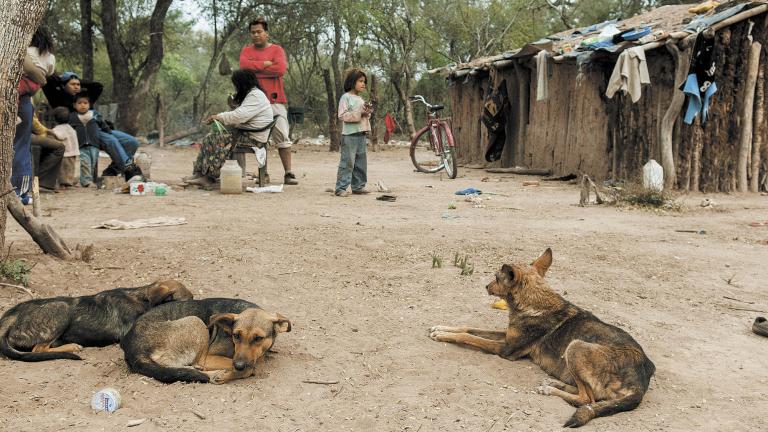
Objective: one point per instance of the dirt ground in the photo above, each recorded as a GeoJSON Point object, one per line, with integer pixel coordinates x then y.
{"type": "Point", "coordinates": [354, 275]}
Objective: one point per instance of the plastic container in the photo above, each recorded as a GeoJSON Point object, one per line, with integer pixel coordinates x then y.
{"type": "Point", "coordinates": [231, 178]}
{"type": "Point", "coordinates": [138, 189]}
{"type": "Point", "coordinates": [653, 176]}
{"type": "Point", "coordinates": [144, 162]}
{"type": "Point", "coordinates": [106, 399]}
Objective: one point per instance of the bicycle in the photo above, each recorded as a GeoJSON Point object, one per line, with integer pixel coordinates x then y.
{"type": "Point", "coordinates": [432, 147]}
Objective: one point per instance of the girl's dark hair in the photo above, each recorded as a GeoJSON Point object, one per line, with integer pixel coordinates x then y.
{"type": "Point", "coordinates": [244, 81]}
{"type": "Point", "coordinates": [42, 40]}
{"type": "Point", "coordinates": [351, 78]}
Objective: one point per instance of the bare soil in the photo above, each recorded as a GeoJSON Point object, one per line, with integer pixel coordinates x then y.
{"type": "Point", "coordinates": [354, 275]}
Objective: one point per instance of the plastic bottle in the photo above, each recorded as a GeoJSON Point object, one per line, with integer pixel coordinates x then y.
{"type": "Point", "coordinates": [106, 399]}
{"type": "Point", "coordinates": [231, 178]}
{"type": "Point", "coordinates": [144, 162]}
{"type": "Point", "coordinates": [653, 176]}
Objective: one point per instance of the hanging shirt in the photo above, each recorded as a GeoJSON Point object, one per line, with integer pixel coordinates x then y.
{"type": "Point", "coordinates": [700, 85]}
{"type": "Point", "coordinates": [630, 72]}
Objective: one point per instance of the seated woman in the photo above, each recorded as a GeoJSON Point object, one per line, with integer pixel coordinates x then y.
{"type": "Point", "coordinates": [253, 112]}
{"type": "Point", "coordinates": [120, 146]}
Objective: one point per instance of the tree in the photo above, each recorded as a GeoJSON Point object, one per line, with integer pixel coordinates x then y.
{"type": "Point", "coordinates": [130, 88]}
{"type": "Point", "coordinates": [17, 23]}
{"type": "Point", "coordinates": [86, 37]}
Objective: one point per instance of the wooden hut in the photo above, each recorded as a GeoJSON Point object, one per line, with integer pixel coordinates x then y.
{"type": "Point", "coordinates": [578, 129]}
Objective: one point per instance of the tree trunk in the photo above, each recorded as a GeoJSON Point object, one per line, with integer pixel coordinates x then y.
{"type": "Point", "coordinates": [132, 98]}
{"type": "Point", "coordinates": [374, 123]}
{"type": "Point", "coordinates": [337, 78]}
{"type": "Point", "coordinates": [41, 233]}
{"type": "Point", "coordinates": [160, 119]}
{"type": "Point", "coordinates": [198, 103]}
{"type": "Point", "coordinates": [404, 94]}
{"type": "Point", "coordinates": [333, 131]}
{"type": "Point", "coordinates": [86, 38]}
{"type": "Point", "coordinates": [746, 116]}
{"type": "Point", "coordinates": [17, 23]}
{"type": "Point", "coordinates": [682, 61]}
{"type": "Point", "coordinates": [759, 130]}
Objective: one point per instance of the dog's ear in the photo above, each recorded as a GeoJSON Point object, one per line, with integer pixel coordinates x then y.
{"type": "Point", "coordinates": [282, 324]}
{"type": "Point", "coordinates": [543, 262]}
{"type": "Point", "coordinates": [509, 271]}
{"type": "Point", "coordinates": [166, 291]}
{"type": "Point", "coordinates": [225, 321]}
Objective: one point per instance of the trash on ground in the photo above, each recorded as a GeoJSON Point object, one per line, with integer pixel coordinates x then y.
{"type": "Point", "coordinates": [136, 422]}
{"type": "Point", "coordinates": [385, 197]}
{"type": "Point", "coordinates": [500, 304]}
{"type": "Point", "coordinates": [701, 231]}
{"type": "Point", "coordinates": [266, 189]}
{"type": "Point", "coordinates": [706, 202]}
{"type": "Point", "coordinates": [106, 399]}
{"type": "Point", "coordinates": [146, 188]}
{"type": "Point", "coordinates": [382, 187]}
{"type": "Point", "coordinates": [469, 191]}
{"type": "Point", "coordinates": [115, 224]}
{"type": "Point", "coordinates": [447, 215]}
{"type": "Point", "coordinates": [758, 223]}
{"type": "Point", "coordinates": [476, 201]}
{"type": "Point", "coordinates": [530, 183]}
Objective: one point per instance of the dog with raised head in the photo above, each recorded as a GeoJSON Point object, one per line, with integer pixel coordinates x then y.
{"type": "Point", "coordinates": [56, 328]}
{"type": "Point", "coordinates": [213, 340]}
{"type": "Point", "coordinates": [601, 368]}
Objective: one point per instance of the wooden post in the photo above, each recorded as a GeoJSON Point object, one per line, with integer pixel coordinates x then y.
{"type": "Point", "coordinates": [160, 119]}
{"type": "Point", "coordinates": [747, 115]}
{"type": "Point", "coordinates": [759, 130]}
{"type": "Point", "coordinates": [698, 145]}
{"type": "Point", "coordinates": [36, 197]}
{"type": "Point", "coordinates": [682, 61]}
{"type": "Point", "coordinates": [374, 123]}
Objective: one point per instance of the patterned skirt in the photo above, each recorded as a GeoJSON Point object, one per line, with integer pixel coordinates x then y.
{"type": "Point", "coordinates": [215, 150]}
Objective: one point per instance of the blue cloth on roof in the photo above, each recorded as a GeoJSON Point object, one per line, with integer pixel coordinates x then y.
{"type": "Point", "coordinates": [695, 104]}
{"type": "Point", "coordinates": [703, 21]}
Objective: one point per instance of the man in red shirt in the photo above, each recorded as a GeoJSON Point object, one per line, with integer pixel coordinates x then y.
{"type": "Point", "coordinates": [268, 62]}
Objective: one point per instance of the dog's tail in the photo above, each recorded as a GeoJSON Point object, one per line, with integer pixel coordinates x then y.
{"type": "Point", "coordinates": [150, 368]}
{"type": "Point", "coordinates": [604, 408]}
{"type": "Point", "coordinates": [12, 353]}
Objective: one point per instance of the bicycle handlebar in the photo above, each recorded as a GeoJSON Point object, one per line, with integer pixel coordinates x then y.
{"type": "Point", "coordinates": [420, 98]}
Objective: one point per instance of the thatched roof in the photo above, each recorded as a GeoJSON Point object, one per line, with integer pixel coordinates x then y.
{"type": "Point", "coordinates": [666, 22]}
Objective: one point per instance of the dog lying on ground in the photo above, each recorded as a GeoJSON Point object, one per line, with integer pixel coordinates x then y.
{"type": "Point", "coordinates": [602, 369]}
{"type": "Point", "coordinates": [56, 328]}
{"type": "Point", "coordinates": [172, 342]}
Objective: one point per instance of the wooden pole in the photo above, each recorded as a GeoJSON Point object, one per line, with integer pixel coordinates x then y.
{"type": "Point", "coordinates": [332, 115]}
{"type": "Point", "coordinates": [747, 116]}
{"type": "Point", "coordinates": [759, 130]}
{"type": "Point", "coordinates": [36, 197]}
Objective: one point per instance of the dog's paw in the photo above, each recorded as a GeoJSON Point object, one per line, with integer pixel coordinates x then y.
{"type": "Point", "coordinates": [441, 336]}
{"type": "Point", "coordinates": [549, 382]}
{"type": "Point", "coordinates": [217, 376]}
{"type": "Point", "coordinates": [579, 418]}
{"type": "Point", "coordinates": [76, 348]}
{"type": "Point", "coordinates": [544, 390]}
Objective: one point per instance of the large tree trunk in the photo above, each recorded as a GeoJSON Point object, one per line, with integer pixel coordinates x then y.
{"type": "Point", "coordinates": [682, 61]}
{"type": "Point", "coordinates": [86, 38]}
{"type": "Point", "coordinates": [336, 53]}
{"type": "Point", "coordinates": [18, 21]}
{"type": "Point", "coordinates": [131, 97]}
{"type": "Point", "coordinates": [333, 129]}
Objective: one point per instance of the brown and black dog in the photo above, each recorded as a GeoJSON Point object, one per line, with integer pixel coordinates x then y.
{"type": "Point", "coordinates": [602, 368]}
{"type": "Point", "coordinates": [172, 342]}
{"type": "Point", "coordinates": [55, 328]}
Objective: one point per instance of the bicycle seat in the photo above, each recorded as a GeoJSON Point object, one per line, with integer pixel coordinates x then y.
{"type": "Point", "coordinates": [436, 108]}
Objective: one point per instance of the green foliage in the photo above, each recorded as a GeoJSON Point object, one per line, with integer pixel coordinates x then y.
{"type": "Point", "coordinates": [15, 270]}
{"type": "Point", "coordinates": [638, 196]}
{"type": "Point", "coordinates": [437, 261]}
{"type": "Point", "coordinates": [467, 268]}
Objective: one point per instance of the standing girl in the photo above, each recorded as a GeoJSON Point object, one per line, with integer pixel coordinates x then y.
{"type": "Point", "coordinates": [355, 113]}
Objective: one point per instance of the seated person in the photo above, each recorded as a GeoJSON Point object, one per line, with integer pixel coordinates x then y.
{"type": "Point", "coordinates": [51, 153]}
{"type": "Point", "coordinates": [61, 91]}
{"type": "Point", "coordinates": [87, 125]}
{"type": "Point", "coordinates": [253, 112]}
{"type": "Point", "coordinates": [69, 174]}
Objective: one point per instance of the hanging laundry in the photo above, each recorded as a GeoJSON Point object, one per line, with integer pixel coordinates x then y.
{"type": "Point", "coordinates": [700, 85]}
{"type": "Point", "coordinates": [389, 126]}
{"type": "Point", "coordinates": [630, 72]}
{"type": "Point", "coordinates": [543, 72]}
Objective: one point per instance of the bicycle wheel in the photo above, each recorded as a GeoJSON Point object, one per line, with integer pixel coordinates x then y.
{"type": "Point", "coordinates": [449, 155]}
{"type": "Point", "coordinates": [423, 154]}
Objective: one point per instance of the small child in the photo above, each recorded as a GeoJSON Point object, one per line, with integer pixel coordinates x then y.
{"type": "Point", "coordinates": [69, 174]}
{"type": "Point", "coordinates": [355, 114]}
{"type": "Point", "coordinates": [87, 123]}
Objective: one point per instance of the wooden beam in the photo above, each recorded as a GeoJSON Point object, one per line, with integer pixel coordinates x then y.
{"type": "Point", "coordinates": [745, 146]}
